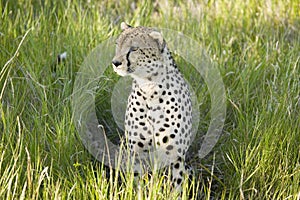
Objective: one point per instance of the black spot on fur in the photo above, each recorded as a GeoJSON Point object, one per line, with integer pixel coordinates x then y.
{"type": "Point", "coordinates": [165, 139]}
{"type": "Point", "coordinates": [140, 144]}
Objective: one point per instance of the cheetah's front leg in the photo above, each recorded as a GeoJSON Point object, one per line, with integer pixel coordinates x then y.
{"type": "Point", "coordinates": [179, 170]}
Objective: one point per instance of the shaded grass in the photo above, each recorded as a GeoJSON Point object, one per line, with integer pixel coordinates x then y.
{"type": "Point", "coordinates": [256, 46]}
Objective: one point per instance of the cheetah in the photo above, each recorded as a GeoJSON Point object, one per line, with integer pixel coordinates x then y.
{"type": "Point", "coordinates": [158, 116]}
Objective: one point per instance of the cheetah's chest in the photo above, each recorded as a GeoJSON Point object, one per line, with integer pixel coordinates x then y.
{"type": "Point", "coordinates": [159, 115]}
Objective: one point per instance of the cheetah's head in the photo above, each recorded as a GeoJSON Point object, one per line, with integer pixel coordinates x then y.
{"type": "Point", "coordinates": [138, 51]}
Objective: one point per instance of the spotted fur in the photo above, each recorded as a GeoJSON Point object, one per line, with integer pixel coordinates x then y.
{"type": "Point", "coordinates": [159, 111]}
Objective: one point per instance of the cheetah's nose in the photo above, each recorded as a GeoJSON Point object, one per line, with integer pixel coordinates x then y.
{"type": "Point", "coordinates": [116, 63]}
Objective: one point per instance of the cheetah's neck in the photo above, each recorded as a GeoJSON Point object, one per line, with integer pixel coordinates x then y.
{"type": "Point", "coordinates": [166, 67]}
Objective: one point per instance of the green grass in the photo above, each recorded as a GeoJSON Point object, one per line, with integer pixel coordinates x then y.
{"type": "Point", "coordinates": [255, 45]}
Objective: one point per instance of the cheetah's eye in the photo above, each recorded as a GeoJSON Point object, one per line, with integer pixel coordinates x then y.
{"type": "Point", "coordinates": [133, 48]}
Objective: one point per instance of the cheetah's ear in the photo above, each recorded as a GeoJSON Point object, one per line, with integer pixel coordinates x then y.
{"type": "Point", "coordinates": [125, 26]}
{"type": "Point", "coordinates": [157, 36]}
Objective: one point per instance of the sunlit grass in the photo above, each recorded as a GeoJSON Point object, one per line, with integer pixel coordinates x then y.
{"type": "Point", "coordinates": [255, 45]}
